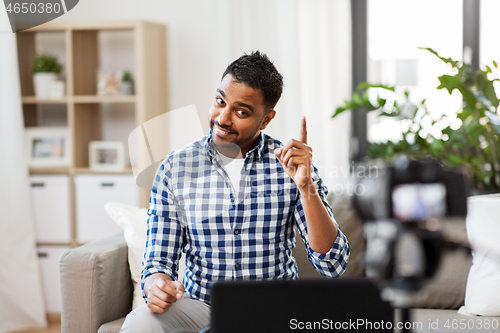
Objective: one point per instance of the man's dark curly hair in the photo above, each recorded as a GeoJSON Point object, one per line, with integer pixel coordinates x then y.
{"type": "Point", "coordinates": [256, 70]}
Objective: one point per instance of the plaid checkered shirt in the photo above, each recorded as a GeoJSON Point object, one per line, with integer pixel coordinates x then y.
{"type": "Point", "coordinates": [226, 235]}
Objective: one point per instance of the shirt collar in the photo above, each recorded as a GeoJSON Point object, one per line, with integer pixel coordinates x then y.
{"type": "Point", "coordinates": [258, 149]}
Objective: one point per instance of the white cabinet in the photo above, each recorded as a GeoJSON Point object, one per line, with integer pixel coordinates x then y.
{"type": "Point", "coordinates": [92, 193]}
{"type": "Point", "coordinates": [51, 202]}
{"type": "Point", "coordinates": [48, 258]}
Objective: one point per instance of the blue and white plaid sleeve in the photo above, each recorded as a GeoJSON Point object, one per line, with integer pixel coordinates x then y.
{"type": "Point", "coordinates": [334, 262]}
{"type": "Point", "coordinates": [165, 230]}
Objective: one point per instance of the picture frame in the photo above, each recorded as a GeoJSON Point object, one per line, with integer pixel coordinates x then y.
{"type": "Point", "coordinates": [107, 155]}
{"type": "Point", "coordinates": [108, 83]}
{"type": "Point", "coordinates": [48, 147]}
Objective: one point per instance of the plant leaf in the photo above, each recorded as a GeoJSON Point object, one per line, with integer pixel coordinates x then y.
{"type": "Point", "coordinates": [366, 85]}
{"type": "Point", "coordinates": [449, 61]}
{"type": "Point", "coordinates": [338, 111]}
{"type": "Point", "coordinates": [357, 99]}
{"type": "Point", "coordinates": [451, 83]}
{"type": "Point", "coordinates": [486, 86]}
{"type": "Point", "coordinates": [455, 158]}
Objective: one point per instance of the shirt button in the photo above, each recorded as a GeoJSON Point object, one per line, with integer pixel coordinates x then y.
{"type": "Point", "coordinates": [237, 265]}
{"type": "Point", "coordinates": [236, 232]}
{"type": "Point", "coordinates": [232, 199]}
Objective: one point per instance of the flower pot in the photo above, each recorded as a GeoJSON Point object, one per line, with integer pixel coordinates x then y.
{"type": "Point", "coordinates": [42, 83]}
{"type": "Point", "coordinates": [127, 88]}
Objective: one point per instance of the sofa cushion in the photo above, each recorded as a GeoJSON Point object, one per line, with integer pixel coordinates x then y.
{"type": "Point", "coordinates": [446, 289]}
{"type": "Point", "coordinates": [133, 220]}
{"type": "Point", "coordinates": [352, 227]}
{"type": "Point", "coordinates": [482, 295]}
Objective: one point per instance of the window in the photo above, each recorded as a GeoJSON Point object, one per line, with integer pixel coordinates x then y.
{"type": "Point", "coordinates": [395, 31]}
{"type": "Point", "coordinates": [489, 48]}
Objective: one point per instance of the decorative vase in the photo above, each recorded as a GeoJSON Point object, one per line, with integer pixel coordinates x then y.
{"type": "Point", "coordinates": [42, 83]}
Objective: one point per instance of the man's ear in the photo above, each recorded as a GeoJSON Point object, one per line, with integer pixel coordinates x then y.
{"type": "Point", "coordinates": [267, 119]}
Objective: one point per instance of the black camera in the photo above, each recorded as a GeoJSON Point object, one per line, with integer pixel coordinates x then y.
{"type": "Point", "coordinates": [402, 204]}
{"type": "Point", "coordinates": [409, 191]}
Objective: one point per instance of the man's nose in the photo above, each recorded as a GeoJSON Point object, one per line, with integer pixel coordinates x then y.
{"type": "Point", "coordinates": [224, 117]}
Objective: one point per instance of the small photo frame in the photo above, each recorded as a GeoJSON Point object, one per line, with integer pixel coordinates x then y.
{"type": "Point", "coordinates": [107, 155]}
{"type": "Point", "coordinates": [48, 147]}
{"type": "Point", "coordinates": [108, 83]}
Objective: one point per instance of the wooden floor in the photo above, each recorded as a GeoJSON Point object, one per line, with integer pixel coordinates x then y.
{"type": "Point", "coordinates": [53, 327]}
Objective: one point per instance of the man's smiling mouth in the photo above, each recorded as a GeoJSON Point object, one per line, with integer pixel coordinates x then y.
{"type": "Point", "coordinates": [222, 132]}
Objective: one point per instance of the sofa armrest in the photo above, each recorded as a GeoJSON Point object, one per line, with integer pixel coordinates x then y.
{"type": "Point", "coordinates": [95, 285]}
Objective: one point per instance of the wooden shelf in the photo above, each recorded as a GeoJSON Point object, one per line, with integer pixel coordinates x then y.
{"type": "Point", "coordinates": [62, 171]}
{"type": "Point", "coordinates": [49, 171]}
{"type": "Point", "coordinates": [90, 171]}
{"type": "Point", "coordinates": [90, 25]}
{"type": "Point", "coordinates": [81, 99]}
{"type": "Point", "coordinates": [104, 99]}
{"type": "Point", "coordinates": [35, 100]}
{"type": "Point", "coordinates": [53, 244]}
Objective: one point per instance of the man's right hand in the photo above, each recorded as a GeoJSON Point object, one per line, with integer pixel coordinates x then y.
{"type": "Point", "coordinates": [161, 292]}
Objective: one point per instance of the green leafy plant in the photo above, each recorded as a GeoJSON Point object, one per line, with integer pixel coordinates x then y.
{"type": "Point", "coordinates": [127, 77]}
{"type": "Point", "coordinates": [46, 63]}
{"type": "Point", "coordinates": [471, 141]}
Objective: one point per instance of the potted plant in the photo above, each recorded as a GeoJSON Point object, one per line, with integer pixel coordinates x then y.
{"type": "Point", "coordinates": [471, 141]}
{"type": "Point", "coordinates": [127, 84]}
{"type": "Point", "coordinates": [45, 70]}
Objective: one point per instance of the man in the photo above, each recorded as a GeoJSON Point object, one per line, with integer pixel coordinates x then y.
{"type": "Point", "coordinates": [230, 202]}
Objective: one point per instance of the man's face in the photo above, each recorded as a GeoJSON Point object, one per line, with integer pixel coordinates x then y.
{"type": "Point", "coordinates": [237, 116]}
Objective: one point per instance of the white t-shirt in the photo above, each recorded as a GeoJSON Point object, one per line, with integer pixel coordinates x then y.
{"type": "Point", "coordinates": [233, 168]}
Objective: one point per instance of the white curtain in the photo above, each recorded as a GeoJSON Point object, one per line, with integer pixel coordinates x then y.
{"type": "Point", "coordinates": [21, 299]}
{"type": "Point", "coordinates": [309, 42]}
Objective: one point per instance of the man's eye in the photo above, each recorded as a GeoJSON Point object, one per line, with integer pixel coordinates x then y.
{"type": "Point", "coordinates": [219, 100]}
{"type": "Point", "coordinates": [241, 113]}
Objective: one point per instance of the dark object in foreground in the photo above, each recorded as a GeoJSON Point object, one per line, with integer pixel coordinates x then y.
{"type": "Point", "coordinates": [345, 305]}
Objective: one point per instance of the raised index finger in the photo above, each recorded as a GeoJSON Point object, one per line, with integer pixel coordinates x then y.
{"type": "Point", "coordinates": [303, 131]}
